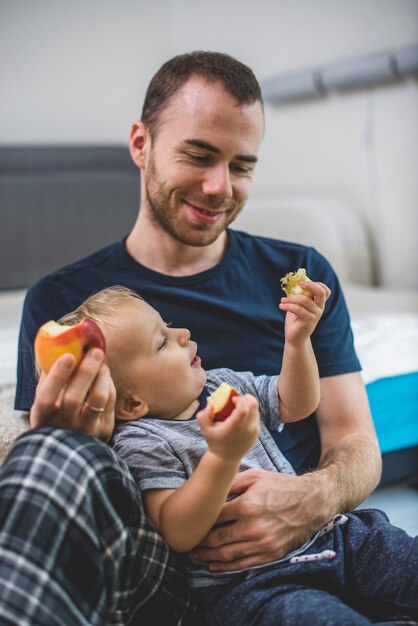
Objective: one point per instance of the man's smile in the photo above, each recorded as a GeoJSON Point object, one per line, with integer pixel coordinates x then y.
{"type": "Point", "coordinates": [210, 216]}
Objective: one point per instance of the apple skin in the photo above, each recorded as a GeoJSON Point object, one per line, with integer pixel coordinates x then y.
{"type": "Point", "coordinates": [51, 342]}
{"type": "Point", "coordinates": [221, 401]}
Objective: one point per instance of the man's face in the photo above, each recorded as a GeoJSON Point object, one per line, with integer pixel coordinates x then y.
{"type": "Point", "coordinates": [198, 170]}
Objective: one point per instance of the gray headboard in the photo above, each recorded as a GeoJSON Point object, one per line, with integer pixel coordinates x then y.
{"type": "Point", "coordinates": [59, 203]}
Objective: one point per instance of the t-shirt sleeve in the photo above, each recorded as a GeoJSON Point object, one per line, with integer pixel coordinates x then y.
{"type": "Point", "coordinates": [150, 457]}
{"type": "Point", "coordinates": [332, 339]}
{"type": "Point", "coordinates": [264, 388]}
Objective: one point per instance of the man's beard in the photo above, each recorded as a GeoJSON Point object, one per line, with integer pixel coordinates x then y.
{"type": "Point", "coordinates": [165, 215]}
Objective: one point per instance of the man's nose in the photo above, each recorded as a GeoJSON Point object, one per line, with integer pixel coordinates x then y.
{"type": "Point", "coordinates": [217, 182]}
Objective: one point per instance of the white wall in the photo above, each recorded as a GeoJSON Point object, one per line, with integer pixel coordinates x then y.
{"type": "Point", "coordinates": [78, 72]}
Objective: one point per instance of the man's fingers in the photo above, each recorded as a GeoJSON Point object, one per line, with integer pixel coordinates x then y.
{"type": "Point", "coordinates": [57, 377]}
{"type": "Point", "coordinates": [98, 394]}
{"type": "Point", "coordinates": [81, 382]}
{"type": "Point", "coordinates": [242, 481]}
{"type": "Point", "coordinates": [225, 534]}
{"type": "Point", "coordinates": [49, 391]}
{"type": "Point", "coordinates": [225, 554]}
{"type": "Point", "coordinates": [80, 398]}
{"type": "Point", "coordinates": [240, 563]}
{"type": "Point", "coordinates": [98, 412]}
{"type": "Point", "coordinates": [231, 509]}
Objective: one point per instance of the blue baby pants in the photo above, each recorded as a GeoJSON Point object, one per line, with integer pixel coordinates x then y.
{"type": "Point", "coordinates": [372, 579]}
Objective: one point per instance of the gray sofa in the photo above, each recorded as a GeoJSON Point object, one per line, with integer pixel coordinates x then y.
{"type": "Point", "coordinates": [59, 203]}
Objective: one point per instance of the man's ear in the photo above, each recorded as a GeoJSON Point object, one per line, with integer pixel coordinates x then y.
{"type": "Point", "coordinates": [130, 410]}
{"type": "Point", "coordinates": [138, 138]}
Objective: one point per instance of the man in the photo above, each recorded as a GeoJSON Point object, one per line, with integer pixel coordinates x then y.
{"type": "Point", "coordinates": [196, 147]}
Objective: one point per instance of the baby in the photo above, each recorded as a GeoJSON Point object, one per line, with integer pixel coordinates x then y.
{"type": "Point", "coordinates": [183, 460]}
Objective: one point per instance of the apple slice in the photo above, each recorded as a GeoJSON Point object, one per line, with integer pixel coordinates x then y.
{"type": "Point", "coordinates": [290, 283]}
{"type": "Point", "coordinates": [54, 339]}
{"type": "Point", "coordinates": [221, 401]}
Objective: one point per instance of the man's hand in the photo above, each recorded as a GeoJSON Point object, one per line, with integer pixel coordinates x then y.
{"type": "Point", "coordinates": [270, 515]}
{"type": "Point", "coordinates": [80, 398]}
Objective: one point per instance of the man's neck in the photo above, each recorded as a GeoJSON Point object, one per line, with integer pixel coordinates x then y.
{"type": "Point", "coordinates": [157, 250]}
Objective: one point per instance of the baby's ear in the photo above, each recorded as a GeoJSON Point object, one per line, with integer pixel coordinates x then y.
{"type": "Point", "coordinates": [127, 409]}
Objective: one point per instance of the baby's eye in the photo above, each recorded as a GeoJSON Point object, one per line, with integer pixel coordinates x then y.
{"type": "Point", "coordinates": [163, 343]}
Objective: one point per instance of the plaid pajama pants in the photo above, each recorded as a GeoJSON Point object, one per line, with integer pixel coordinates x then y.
{"type": "Point", "coordinates": [76, 548]}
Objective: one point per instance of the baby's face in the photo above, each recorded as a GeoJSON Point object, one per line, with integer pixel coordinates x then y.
{"type": "Point", "coordinates": [152, 361]}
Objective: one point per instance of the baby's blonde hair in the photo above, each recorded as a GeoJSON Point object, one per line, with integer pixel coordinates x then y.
{"type": "Point", "coordinates": [101, 305]}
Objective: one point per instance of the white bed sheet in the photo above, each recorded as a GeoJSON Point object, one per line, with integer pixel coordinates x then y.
{"type": "Point", "coordinates": [386, 344]}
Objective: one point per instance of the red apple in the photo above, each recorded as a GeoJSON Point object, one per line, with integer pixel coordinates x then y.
{"type": "Point", "coordinates": [221, 401]}
{"type": "Point", "coordinates": [54, 339]}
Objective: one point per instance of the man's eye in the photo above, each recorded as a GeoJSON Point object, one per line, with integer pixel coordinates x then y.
{"type": "Point", "coordinates": [200, 158]}
{"type": "Point", "coordinates": [241, 169]}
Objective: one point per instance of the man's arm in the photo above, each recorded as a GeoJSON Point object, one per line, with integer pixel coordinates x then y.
{"type": "Point", "coordinates": [350, 458]}
{"type": "Point", "coordinates": [274, 513]}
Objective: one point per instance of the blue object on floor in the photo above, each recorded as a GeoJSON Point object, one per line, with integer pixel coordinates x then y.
{"type": "Point", "coordinates": [394, 406]}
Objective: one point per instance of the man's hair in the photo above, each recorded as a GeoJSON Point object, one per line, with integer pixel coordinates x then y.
{"type": "Point", "coordinates": [214, 67]}
{"type": "Point", "coordinates": [101, 305]}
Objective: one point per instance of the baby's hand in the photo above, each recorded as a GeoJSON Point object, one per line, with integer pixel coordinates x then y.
{"type": "Point", "coordinates": [231, 438]}
{"type": "Point", "coordinates": [303, 312]}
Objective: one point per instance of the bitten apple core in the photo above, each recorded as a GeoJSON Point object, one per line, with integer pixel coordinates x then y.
{"type": "Point", "coordinates": [221, 401]}
{"type": "Point", "coordinates": [54, 339]}
{"type": "Point", "coordinates": [290, 283]}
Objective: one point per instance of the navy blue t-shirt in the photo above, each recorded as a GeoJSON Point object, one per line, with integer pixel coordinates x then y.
{"type": "Point", "coordinates": [231, 310]}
